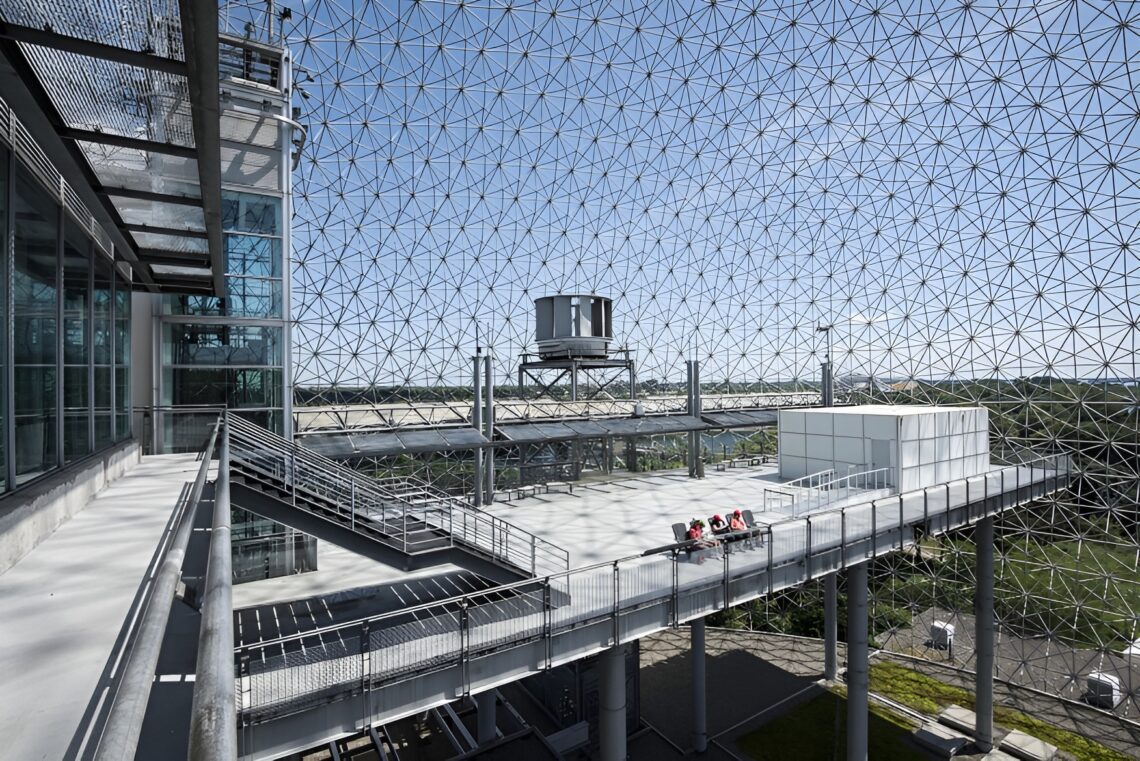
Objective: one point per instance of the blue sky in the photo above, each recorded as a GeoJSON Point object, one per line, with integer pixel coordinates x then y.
{"type": "Point", "coordinates": [954, 188]}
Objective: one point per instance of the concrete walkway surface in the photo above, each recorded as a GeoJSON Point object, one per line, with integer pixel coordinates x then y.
{"type": "Point", "coordinates": [63, 606]}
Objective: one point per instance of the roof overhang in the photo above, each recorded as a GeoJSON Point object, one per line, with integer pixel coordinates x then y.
{"type": "Point", "coordinates": [128, 114]}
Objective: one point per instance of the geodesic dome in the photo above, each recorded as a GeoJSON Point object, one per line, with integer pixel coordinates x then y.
{"type": "Point", "coordinates": [952, 187]}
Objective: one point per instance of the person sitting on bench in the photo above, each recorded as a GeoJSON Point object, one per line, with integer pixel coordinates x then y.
{"type": "Point", "coordinates": [736, 522]}
{"type": "Point", "coordinates": [718, 525]}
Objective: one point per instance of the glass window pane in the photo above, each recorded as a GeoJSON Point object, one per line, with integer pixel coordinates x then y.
{"type": "Point", "coordinates": [35, 291]}
{"type": "Point", "coordinates": [253, 297]}
{"type": "Point", "coordinates": [122, 359]}
{"type": "Point", "coordinates": [3, 319]}
{"type": "Point", "coordinates": [76, 342]}
{"type": "Point", "coordinates": [253, 256]}
{"type": "Point", "coordinates": [101, 301]}
{"type": "Point", "coordinates": [196, 344]}
{"type": "Point", "coordinates": [250, 213]}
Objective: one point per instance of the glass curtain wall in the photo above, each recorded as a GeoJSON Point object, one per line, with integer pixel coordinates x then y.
{"type": "Point", "coordinates": [229, 352]}
{"type": "Point", "coordinates": [65, 338]}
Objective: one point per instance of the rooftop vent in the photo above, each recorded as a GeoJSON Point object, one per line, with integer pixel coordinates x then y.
{"type": "Point", "coordinates": [576, 326]}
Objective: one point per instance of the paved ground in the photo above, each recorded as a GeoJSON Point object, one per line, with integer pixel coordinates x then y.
{"type": "Point", "coordinates": [754, 677]}
{"type": "Point", "coordinates": [750, 680]}
{"type": "Point", "coordinates": [1036, 662]}
{"type": "Point", "coordinates": [62, 607]}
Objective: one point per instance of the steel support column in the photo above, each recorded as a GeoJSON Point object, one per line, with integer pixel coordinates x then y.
{"type": "Point", "coordinates": [857, 672]}
{"type": "Point", "coordinates": [489, 429]}
{"type": "Point", "coordinates": [611, 717]}
{"type": "Point", "coordinates": [700, 715]}
{"type": "Point", "coordinates": [830, 626]}
{"type": "Point", "coordinates": [485, 717]}
{"type": "Point", "coordinates": [477, 424]}
{"type": "Point", "coordinates": [574, 381]}
{"type": "Point", "coordinates": [984, 634]}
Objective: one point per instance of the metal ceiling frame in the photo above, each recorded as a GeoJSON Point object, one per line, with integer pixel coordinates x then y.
{"type": "Point", "coordinates": [199, 24]}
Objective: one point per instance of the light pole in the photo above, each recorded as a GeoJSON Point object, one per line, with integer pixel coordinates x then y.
{"type": "Point", "coordinates": [828, 390]}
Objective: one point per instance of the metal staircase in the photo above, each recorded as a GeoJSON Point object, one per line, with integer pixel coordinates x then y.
{"type": "Point", "coordinates": [414, 523]}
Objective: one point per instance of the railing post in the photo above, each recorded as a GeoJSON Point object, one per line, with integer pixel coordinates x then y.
{"type": "Point", "coordinates": [874, 527]}
{"type": "Point", "coordinates": [771, 558]}
{"type": "Point", "coordinates": [365, 674]}
{"type": "Point", "coordinates": [901, 518]}
{"type": "Point", "coordinates": [547, 622]}
{"type": "Point", "coordinates": [676, 589]}
{"type": "Point", "coordinates": [464, 645]}
{"type": "Point", "coordinates": [617, 604]}
{"type": "Point", "coordinates": [352, 502]}
{"type": "Point", "coordinates": [807, 550]}
{"type": "Point", "coordinates": [725, 553]}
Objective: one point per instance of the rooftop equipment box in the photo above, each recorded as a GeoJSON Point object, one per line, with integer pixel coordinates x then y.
{"type": "Point", "coordinates": [917, 446]}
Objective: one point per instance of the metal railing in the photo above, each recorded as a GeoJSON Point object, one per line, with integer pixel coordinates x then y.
{"type": "Point", "coordinates": [405, 513]}
{"type": "Point", "coordinates": [409, 660]}
{"type": "Point", "coordinates": [838, 489]}
{"type": "Point", "coordinates": [810, 481]}
{"type": "Point", "coordinates": [120, 736]}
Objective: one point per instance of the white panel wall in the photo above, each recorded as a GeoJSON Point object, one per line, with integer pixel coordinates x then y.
{"type": "Point", "coordinates": [925, 448]}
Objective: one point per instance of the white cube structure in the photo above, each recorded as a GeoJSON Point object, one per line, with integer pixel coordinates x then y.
{"type": "Point", "coordinates": [942, 635]}
{"type": "Point", "coordinates": [1103, 690]}
{"type": "Point", "coordinates": [918, 446]}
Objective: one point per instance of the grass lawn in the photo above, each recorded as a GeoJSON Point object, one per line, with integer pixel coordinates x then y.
{"type": "Point", "coordinates": [816, 731]}
{"type": "Point", "coordinates": [928, 695]}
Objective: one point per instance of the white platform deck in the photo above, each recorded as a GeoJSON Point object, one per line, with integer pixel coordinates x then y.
{"type": "Point", "coordinates": [63, 605]}
{"type": "Point", "coordinates": [608, 521]}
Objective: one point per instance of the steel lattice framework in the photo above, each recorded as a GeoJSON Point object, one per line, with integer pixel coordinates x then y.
{"type": "Point", "coordinates": [952, 186]}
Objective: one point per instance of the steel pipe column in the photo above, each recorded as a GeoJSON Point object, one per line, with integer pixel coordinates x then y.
{"type": "Point", "coordinates": [830, 626]}
{"type": "Point", "coordinates": [700, 714]}
{"type": "Point", "coordinates": [477, 424]}
{"type": "Point", "coordinates": [485, 703]}
{"type": "Point", "coordinates": [984, 634]}
{"type": "Point", "coordinates": [611, 717]}
{"type": "Point", "coordinates": [857, 673]}
{"type": "Point", "coordinates": [489, 428]}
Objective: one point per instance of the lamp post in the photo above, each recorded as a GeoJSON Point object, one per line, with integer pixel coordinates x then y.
{"type": "Point", "coordinates": [828, 390]}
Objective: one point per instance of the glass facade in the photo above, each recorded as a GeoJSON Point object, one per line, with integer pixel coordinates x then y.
{"type": "Point", "coordinates": [229, 352]}
{"type": "Point", "coordinates": [66, 341]}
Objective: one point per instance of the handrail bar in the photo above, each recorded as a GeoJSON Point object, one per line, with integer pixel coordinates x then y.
{"type": "Point", "coordinates": [213, 714]}
{"type": "Point", "coordinates": [809, 479]}
{"type": "Point", "coordinates": [536, 556]}
{"type": "Point", "coordinates": [120, 736]}
{"type": "Point", "coordinates": [458, 599]}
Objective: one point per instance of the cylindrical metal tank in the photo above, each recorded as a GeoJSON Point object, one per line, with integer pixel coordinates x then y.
{"type": "Point", "coordinates": [573, 326]}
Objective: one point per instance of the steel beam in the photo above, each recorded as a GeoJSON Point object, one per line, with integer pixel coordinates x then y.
{"type": "Point", "coordinates": [485, 717]}
{"type": "Point", "coordinates": [984, 634]}
{"type": "Point", "coordinates": [858, 677]}
{"type": "Point", "coordinates": [91, 49]}
{"type": "Point", "coordinates": [200, 41]}
{"type": "Point", "coordinates": [830, 626]}
{"type": "Point", "coordinates": [133, 143]}
{"type": "Point", "coordinates": [611, 716]}
{"type": "Point", "coordinates": [477, 424]}
{"type": "Point", "coordinates": [700, 714]}
{"type": "Point", "coordinates": [172, 231]}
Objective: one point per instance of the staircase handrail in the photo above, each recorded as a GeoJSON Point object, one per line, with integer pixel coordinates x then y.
{"type": "Point", "coordinates": [304, 470]}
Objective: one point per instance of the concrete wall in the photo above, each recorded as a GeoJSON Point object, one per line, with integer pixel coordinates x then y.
{"type": "Point", "coordinates": [31, 515]}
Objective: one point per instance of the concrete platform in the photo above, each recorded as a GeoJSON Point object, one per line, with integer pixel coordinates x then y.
{"type": "Point", "coordinates": [1023, 746]}
{"type": "Point", "coordinates": [63, 605]}
{"type": "Point", "coordinates": [962, 719]}
{"type": "Point", "coordinates": [942, 741]}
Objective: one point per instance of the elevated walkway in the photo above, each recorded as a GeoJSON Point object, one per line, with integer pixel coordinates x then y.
{"type": "Point", "coordinates": [393, 665]}
{"type": "Point", "coordinates": [403, 522]}
{"type": "Point", "coordinates": [66, 605]}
